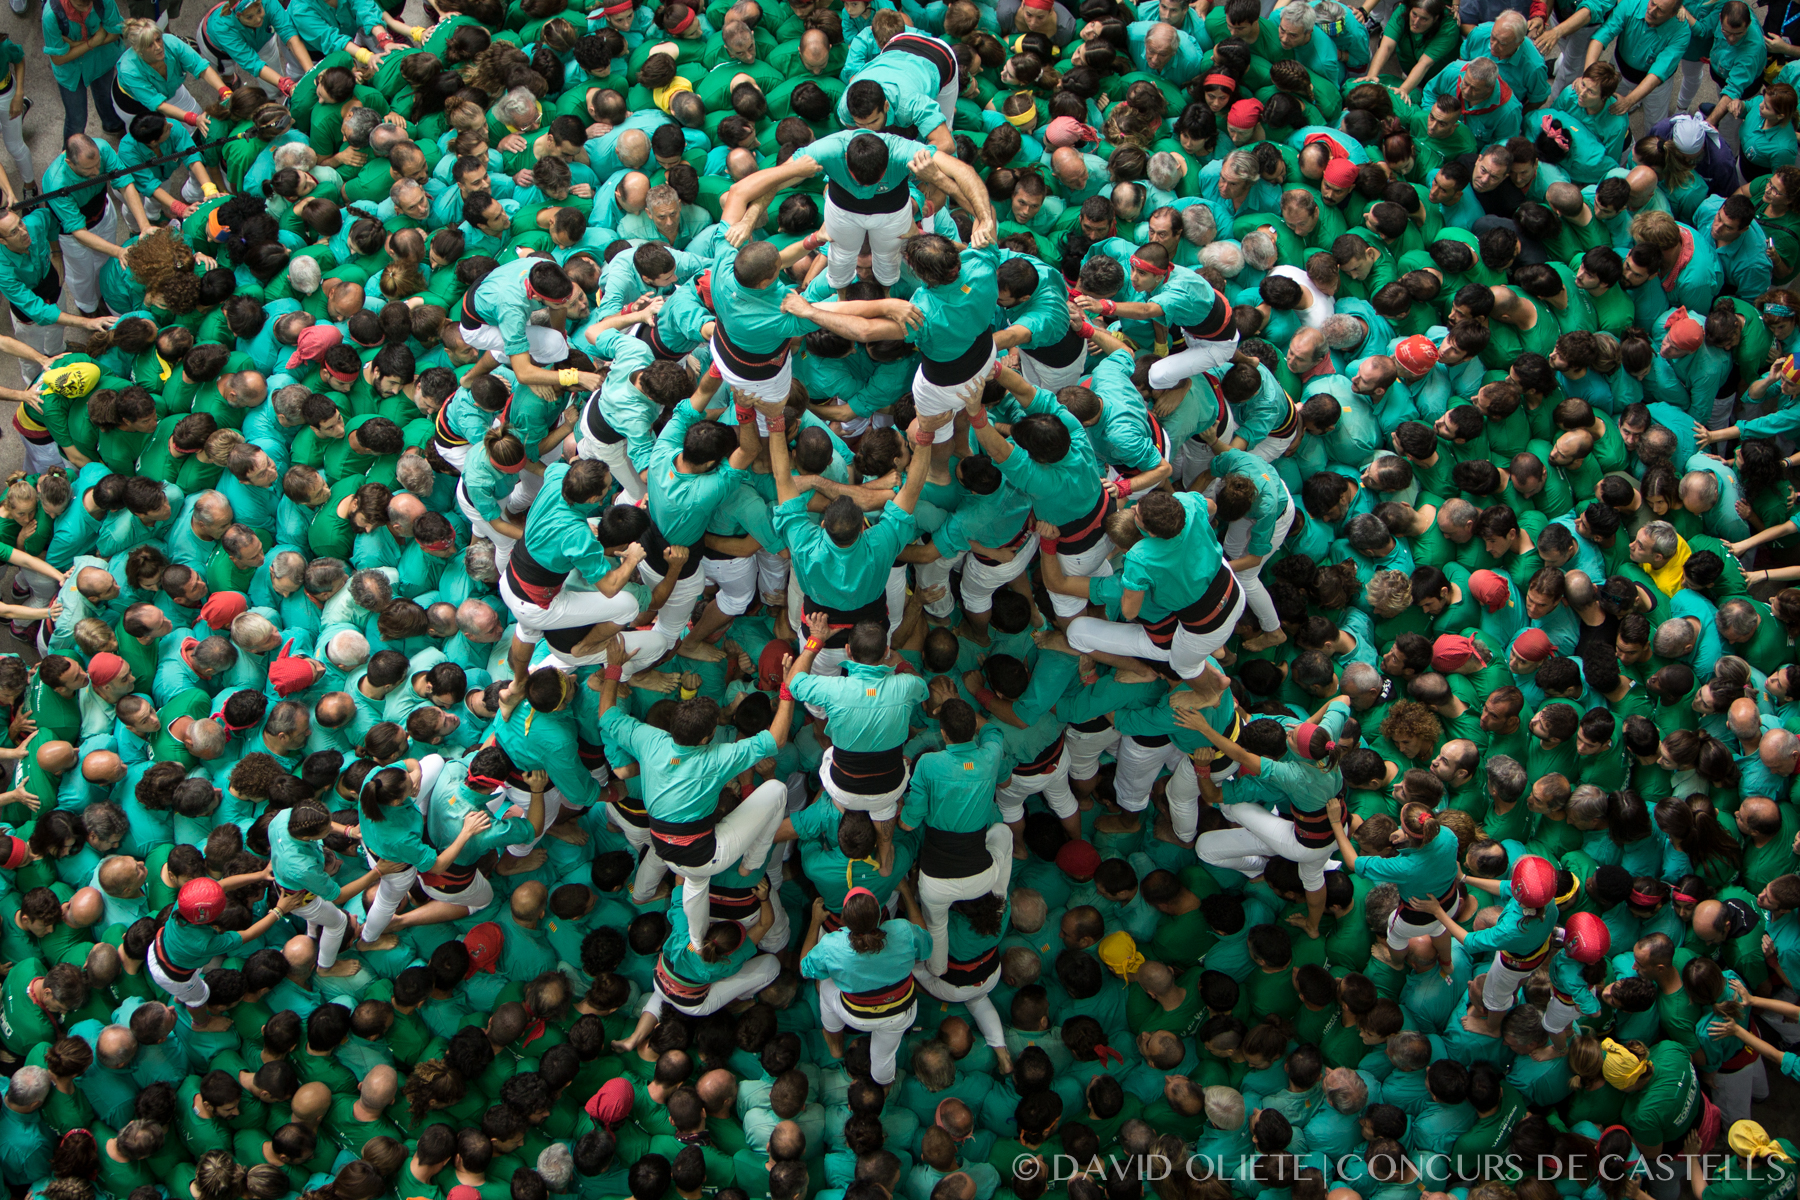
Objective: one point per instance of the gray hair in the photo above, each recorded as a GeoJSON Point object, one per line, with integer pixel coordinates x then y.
{"type": "Point", "coordinates": [1481, 72]}
{"type": "Point", "coordinates": [1258, 246]}
{"type": "Point", "coordinates": [297, 155]}
{"type": "Point", "coordinates": [1702, 486]}
{"type": "Point", "coordinates": [104, 820]}
{"type": "Point", "coordinates": [347, 650]}
{"type": "Point", "coordinates": [1674, 638]}
{"type": "Point", "coordinates": [1349, 1098]}
{"type": "Point", "coordinates": [1663, 538]}
{"type": "Point", "coordinates": [557, 1165]}
{"type": "Point", "coordinates": [1300, 16]}
{"type": "Point", "coordinates": [359, 125]}
{"type": "Point", "coordinates": [288, 401]}
{"type": "Point", "coordinates": [478, 561]}
{"type": "Point", "coordinates": [516, 108]}
{"type": "Point", "coordinates": [1029, 911]}
{"type": "Point", "coordinates": [1224, 1107]}
{"type": "Point", "coordinates": [1225, 257]}
{"type": "Point", "coordinates": [1587, 804]}
{"type": "Point", "coordinates": [1198, 226]}
{"type": "Point", "coordinates": [1342, 331]}
{"type": "Point", "coordinates": [1506, 777]}
{"type": "Point", "coordinates": [1239, 165]}
{"type": "Point", "coordinates": [415, 475]}
{"type": "Point", "coordinates": [29, 1088]}
{"type": "Point", "coordinates": [305, 274]}
{"type": "Point", "coordinates": [107, 1048]}
{"type": "Point", "coordinates": [1512, 24]}
{"type": "Point", "coordinates": [1167, 170]}
{"type": "Point", "coordinates": [289, 565]}
{"type": "Point", "coordinates": [253, 629]}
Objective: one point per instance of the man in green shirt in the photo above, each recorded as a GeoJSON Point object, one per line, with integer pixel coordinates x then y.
{"type": "Point", "coordinates": [34, 1001]}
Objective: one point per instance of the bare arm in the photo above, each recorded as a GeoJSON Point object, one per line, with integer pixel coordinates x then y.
{"type": "Point", "coordinates": [756, 188]}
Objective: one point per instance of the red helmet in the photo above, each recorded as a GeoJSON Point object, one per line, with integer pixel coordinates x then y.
{"type": "Point", "coordinates": [201, 901]}
{"type": "Point", "coordinates": [1533, 881]}
{"type": "Point", "coordinates": [1586, 939]}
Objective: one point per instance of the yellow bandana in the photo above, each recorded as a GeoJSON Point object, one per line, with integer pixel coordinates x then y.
{"type": "Point", "coordinates": [1751, 1140]}
{"type": "Point", "coordinates": [661, 96]}
{"type": "Point", "coordinates": [1622, 1068]}
{"type": "Point", "coordinates": [1119, 953]}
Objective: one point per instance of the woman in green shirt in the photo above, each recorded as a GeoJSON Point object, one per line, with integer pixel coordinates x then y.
{"type": "Point", "coordinates": [1419, 38]}
{"type": "Point", "coordinates": [1768, 139]}
{"type": "Point", "coordinates": [393, 829]}
{"type": "Point", "coordinates": [1764, 1169]}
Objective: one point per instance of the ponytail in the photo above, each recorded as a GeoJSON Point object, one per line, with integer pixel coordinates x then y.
{"type": "Point", "coordinates": [862, 918]}
{"type": "Point", "coordinates": [1418, 822]}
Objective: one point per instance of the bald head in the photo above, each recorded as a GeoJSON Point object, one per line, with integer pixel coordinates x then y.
{"type": "Point", "coordinates": [121, 877]}
{"type": "Point", "coordinates": [1154, 978]}
{"type": "Point", "coordinates": [56, 758]}
{"type": "Point", "coordinates": [1744, 718]}
{"type": "Point", "coordinates": [102, 766]}
{"type": "Point", "coordinates": [403, 510]}
{"type": "Point", "coordinates": [1420, 951]}
{"type": "Point", "coordinates": [85, 908]}
{"type": "Point", "coordinates": [479, 622]}
{"type": "Point", "coordinates": [379, 1087]}
{"type": "Point", "coordinates": [96, 583]}
{"type": "Point", "coordinates": [528, 901]}
{"type": "Point", "coordinates": [115, 1048]}
{"type": "Point", "coordinates": [718, 1089]}
{"type": "Point", "coordinates": [301, 953]}
{"type": "Point", "coordinates": [1779, 750]}
{"type": "Point", "coordinates": [102, 964]}
{"type": "Point", "coordinates": [311, 1103]}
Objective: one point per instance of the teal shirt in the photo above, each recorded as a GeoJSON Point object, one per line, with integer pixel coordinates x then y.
{"type": "Point", "coordinates": [1061, 492]}
{"type": "Point", "coordinates": [299, 865]}
{"type": "Point", "coordinates": [952, 789]}
{"type": "Point", "coordinates": [869, 706]}
{"type": "Point", "coordinates": [143, 84]}
{"type": "Point", "coordinates": [59, 175]}
{"type": "Point", "coordinates": [957, 313]}
{"type": "Point", "coordinates": [399, 836]}
{"type": "Point", "coordinates": [833, 958]}
{"type": "Point", "coordinates": [829, 150]}
{"type": "Point", "coordinates": [843, 577]}
{"type": "Point", "coordinates": [681, 783]}
{"type": "Point", "coordinates": [1175, 572]}
{"type": "Point", "coordinates": [910, 84]}
{"type": "Point", "coordinates": [500, 299]}
{"type": "Point", "coordinates": [682, 503]}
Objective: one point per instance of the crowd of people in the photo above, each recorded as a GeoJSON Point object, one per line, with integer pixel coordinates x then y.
{"type": "Point", "coordinates": [902, 601]}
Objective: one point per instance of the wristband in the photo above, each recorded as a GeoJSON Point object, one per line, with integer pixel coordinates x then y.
{"type": "Point", "coordinates": [1048, 544]}
{"type": "Point", "coordinates": [418, 33]}
{"type": "Point", "coordinates": [191, 120]}
{"type": "Point", "coordinates": [812, 646]}
{"type": "Point", "coordinates": [285, 86]}
{"type": "Point", "coordinates": [812, 240]}
{"type": "Point", "coordinates": [922, 437]}
{"type": "Point", "coordinates": [745, 413]}
{"type": "Point", "coordinates": [786, 695]}
{"type": "Point", "coordinates": [568, 377]}
{"type": "Point", "coordinates": [360, 55]}
{"type": "Point", "coordinates": [776, 424]}
{"type": "Point", "coordinates": [209, 190]}
{"type": "Point", "coordinates": [1123, 487]}
{"type": "Point", "coordinates": [615, 672]}
{"type": "Point", "coordinates": [978, 419]}
{"type": "Point", "coordinates": [1087, 329]}
{"type": "Point", "coordinates": [1109, 309]}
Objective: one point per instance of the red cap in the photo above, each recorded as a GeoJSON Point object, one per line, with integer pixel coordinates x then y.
{"type": "Point", "coordinates": [1489, 590]}
{"type": "Point", "coordinates": [463, 1191]}
{"type": "Point", "coordinates": [16, 853]}
{"type": "Point", "coordinates": [1533, 881]}
{"type": "Point", "coordinates": [1586, 939]}
{"type": "Point", "coordinates": [1681, 334]}
{"type": "Point", "coordinates": [1042, 5]}
{"type": "Point", "coordinates": [201, 901]}
{"type": "Point", "coordinates": [289, 673]}
{"type": "Point", "coordinates": [613, 1102]}
{"type": "Point", "coordinates": [222, 608]}
{"type": "Point", "coordinates": [1340, 172]}
{"type": "Point", "coordinates": [1244, 114]}
{"type": "Point", "coordinates": [1078, 860]}
{"type": "Point", "coordinates": [1416, 355]}
{"type": "Point", "coordinates": [104, 669]}
{"type": "Point", "coordinates": [1533, 645]}
{"type": "Point", "coordinates": [483, 944]}
{"type": "Point", "coordinates": [1452, 651]}
{"type": "Point", "coordinates": [769, 671]}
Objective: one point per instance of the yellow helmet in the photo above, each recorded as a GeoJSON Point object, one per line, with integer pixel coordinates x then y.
{"type": "Point", "coordinates": [72, 381]}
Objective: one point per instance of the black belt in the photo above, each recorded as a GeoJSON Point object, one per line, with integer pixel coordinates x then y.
{"type": "Point", "coordinates": [878, 205]}
{"type": "Point", "coordinates": [946, 855]}
{"type": "Point", "coordinates": [1062, 354]}
{"type": "Point", "coordinates": [597, 424]}
{"type": "Point", "coordinates": [953, 372]}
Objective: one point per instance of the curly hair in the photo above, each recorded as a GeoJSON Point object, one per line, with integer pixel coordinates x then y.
{"type": "Point", "coordinates": [161, 253]}
{"type": "Point", "coordinates": [1409, 718]}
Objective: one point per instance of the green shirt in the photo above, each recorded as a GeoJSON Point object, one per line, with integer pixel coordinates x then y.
{"type": "Point", "coordinates": [952, 789]}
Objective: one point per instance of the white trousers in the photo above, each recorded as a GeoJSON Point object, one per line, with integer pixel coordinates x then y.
{"type": "Point", "coordinates": [1051, 379]}
{"type": "Point", "coordinates": [886, 232]}
{"type": "Point", "coordinates": [650, 864]}
{"type": "Point", "coordinates": [1400, 930]}
{"type": "Point", "coordinates": [672, 618]}
{"type": "Point", "coordinates": [12, 129]}
{"type": "Point", "coordinates": [1085, 748]}
{"type": "Point", "coordinates": [617, 461]}
{"type": "Point", "coordinates": [1559, 1016]}
{"type": "Point", "coordinates": [1735, 1091]}
{"type": "Point", "coordinates": [326, 923]}
{"type": "Point", "coordinates": [192, 992]}
{"type": "Point", "coordinates": [1187, 652]}
{"type": "Point", "coordinates": [1138, 768]}
{"type": "Point", "coordinates": [744, 834]}
{"type": "Point", "coordinates": [1261, 836]}
{"type": "Point", "coordinates": [568, 609]}
{"type": "Point", "coordinates": [1194, 458]}
{"type": "Point", "coordinates": [739, 580]}
{"type": "Point", "coordinates": [1199, 356]}
{"type": "Point", "coordinates": [503, 545]}
{"type": "Point", "coordinates": [976, 999]}
{"type": "Point", "coordinates": [981, 580]}
{"type": "Point", "coordinates": [1500, 990]}
{"type": "Point", "coordinates": [769, 391]}
{"type": "Point", "coordinates": [930, 399]}
{"type": "Point", "coordinates": [936, 895]}
{"type": "Point", "coordinates": [547, 346]}
{"type": "Point", "coordinates": [1570, 62]}
{"type": "Point", "coordinates": [81, 266]}
{"type": "Point", "coordinates": [882, 806]}
{"type": "Point", "coordinates": [1054, 784]}
{"type": "Point", "coordinates": [751, 978]}
{"type": "Point", "coordinates": [884, 1034]}
{"type": "Point", "coordinates": [1234, 543]}
{"type": "Point", "coordinates": [1089, 564]}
